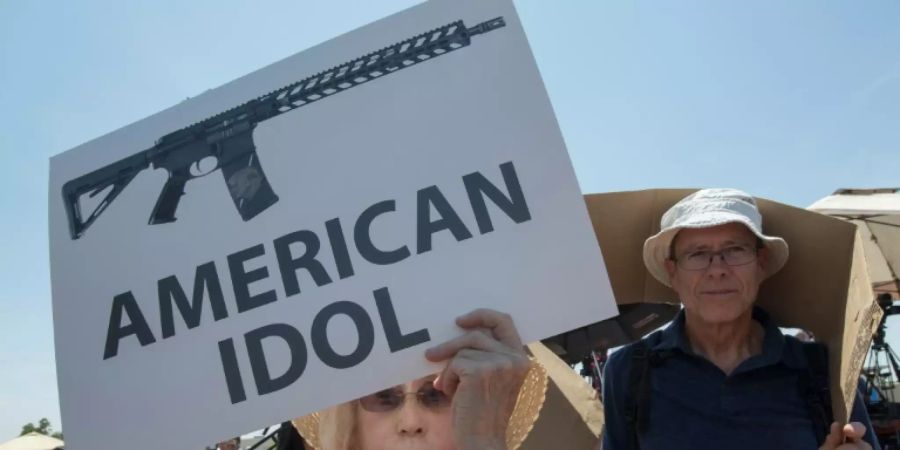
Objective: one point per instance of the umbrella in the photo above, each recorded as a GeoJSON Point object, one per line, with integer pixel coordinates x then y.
{"type": "Point", "coordinates": [32, 441]}
{"type": "Point", "coordinates": [876, 212]}
{"type": "Point", "coordinates": [634, 321]}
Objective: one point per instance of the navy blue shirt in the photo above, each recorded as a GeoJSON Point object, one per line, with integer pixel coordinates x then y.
{"type": "Point", "coordinates": [693, 405]}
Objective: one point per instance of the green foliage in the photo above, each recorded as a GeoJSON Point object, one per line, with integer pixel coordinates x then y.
{"type": "Point", "coordinates": [43, 427]}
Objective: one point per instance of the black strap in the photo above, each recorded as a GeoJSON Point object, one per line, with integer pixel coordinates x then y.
{"type": "Point", "coordinates": [637, 397]}
{"type": "Point", "coordinates": [814, 389]}
{"type": "Point", "coordinates": [636, 374]}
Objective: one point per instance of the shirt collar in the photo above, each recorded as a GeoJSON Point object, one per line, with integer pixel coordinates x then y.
{"type": "Point", "coordinates": [776, 347]}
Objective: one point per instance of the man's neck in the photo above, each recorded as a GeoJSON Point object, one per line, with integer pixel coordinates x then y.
{"type": "Point", "coordinates": [726, 344]}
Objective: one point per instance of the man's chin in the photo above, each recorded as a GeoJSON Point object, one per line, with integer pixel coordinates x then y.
{"type": "Point", "coordinates": [721, 296]}
{"type": "Point", "coordinates": [723, 310]}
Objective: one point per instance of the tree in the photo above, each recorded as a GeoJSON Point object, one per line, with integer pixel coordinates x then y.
{"type": "Point", "coordinates": [43, 427]}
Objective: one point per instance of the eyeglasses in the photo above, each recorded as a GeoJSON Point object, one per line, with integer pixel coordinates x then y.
{"type": "Point", "coordinates": [391, 399]}
{"type": "Point", "coordinates": [733, 255]}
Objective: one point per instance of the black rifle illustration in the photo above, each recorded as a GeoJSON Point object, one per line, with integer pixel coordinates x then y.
{"type": "Point", "coordinates": [228, 136]}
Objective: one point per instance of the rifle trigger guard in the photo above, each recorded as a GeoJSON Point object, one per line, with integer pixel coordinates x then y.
{"type": "Point", "coordinates": [204, 167]}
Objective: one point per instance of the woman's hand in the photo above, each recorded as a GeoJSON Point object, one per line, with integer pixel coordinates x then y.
{"type": "Point", "coordinates": [487, 366]}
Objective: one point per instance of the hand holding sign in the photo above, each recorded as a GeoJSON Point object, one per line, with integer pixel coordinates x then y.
{"type": "Point", "coordinates": [487, 366]}
{"type": "Point", "coordinates": [848, 437]}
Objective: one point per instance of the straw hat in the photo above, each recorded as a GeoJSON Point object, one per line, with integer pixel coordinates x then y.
{"type": "Point", "coordinates": [528, 407]}
{"type": "Point", "coordinates": [704, 209]}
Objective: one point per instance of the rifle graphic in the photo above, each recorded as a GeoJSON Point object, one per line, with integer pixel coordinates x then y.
{"type": "Point", "coordinates": [228, 136]}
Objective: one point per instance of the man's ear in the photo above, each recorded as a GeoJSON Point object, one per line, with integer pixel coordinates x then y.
{"type": "Point", "coordinates": [670, 269]}
{"type": "Point", "coordinates": [762, 258]}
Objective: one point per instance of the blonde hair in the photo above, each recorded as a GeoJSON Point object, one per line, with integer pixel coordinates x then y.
{"type": "Point", "coordinates": [338, 427]}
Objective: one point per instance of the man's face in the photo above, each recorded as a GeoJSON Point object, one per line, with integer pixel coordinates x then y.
{"type": "Point", "coordinates": [721, 293]}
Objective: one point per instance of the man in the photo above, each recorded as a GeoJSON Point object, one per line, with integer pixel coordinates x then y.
{"type": "Point", "coordinates": [722, 375]}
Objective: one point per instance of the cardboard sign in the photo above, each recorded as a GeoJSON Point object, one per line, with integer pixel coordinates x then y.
{"type": "Point", "coordinates": [823, 288]}
{"type": "Point", "coordinates": [358, 196]}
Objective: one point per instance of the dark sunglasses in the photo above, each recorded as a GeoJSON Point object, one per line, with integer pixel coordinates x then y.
{"type": "Point", "coordinates": [391, 399]}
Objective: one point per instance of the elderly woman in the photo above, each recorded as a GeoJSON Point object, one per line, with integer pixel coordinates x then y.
{"type": "Point", "coordinates": [486, 398]}
{"type": "Point", "coordinates": [722, 375]}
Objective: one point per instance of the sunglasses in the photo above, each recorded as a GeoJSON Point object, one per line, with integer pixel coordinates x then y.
{"type": "Point", "coordinates": [391, 399]}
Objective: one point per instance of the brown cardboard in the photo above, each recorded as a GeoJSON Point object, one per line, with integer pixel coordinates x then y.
{"type": "Point", "coordinates": [823, 288]}
{"type": "Point", "coordinates": [572, 416]}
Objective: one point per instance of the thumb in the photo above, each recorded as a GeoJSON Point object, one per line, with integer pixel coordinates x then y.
{"type": "Point", "coordinates": [854, 431]}
{"type": "Point", "coordinates": [835, 437]}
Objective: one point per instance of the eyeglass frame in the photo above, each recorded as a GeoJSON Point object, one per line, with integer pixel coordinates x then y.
{"type": "Point", "coordinates": [420, 394]}
{"type": "Point", "coordinates": [721, 254]}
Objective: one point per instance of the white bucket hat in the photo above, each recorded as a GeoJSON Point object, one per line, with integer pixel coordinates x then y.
{"type": "Point", "coordinates": [704, 209]}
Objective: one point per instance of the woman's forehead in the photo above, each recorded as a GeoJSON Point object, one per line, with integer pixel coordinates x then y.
{"type": "Point", "coordinates": [418, 382]}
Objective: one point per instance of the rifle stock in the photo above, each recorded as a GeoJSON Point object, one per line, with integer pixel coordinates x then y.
{"type": "Point", "coordinates": [117, 175]}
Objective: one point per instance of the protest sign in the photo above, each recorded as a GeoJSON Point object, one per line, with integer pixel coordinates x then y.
{"type": "Point", "coordinates": [357, 197]}
{"type": "Point", "coordinates": [824, 287]}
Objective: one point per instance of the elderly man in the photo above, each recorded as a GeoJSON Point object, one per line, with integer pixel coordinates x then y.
{"type": "Point", "coordinates": [722, 375]}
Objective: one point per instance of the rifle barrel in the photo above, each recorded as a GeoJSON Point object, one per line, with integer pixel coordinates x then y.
{"type": "Point", "coordinates": [403, 54]}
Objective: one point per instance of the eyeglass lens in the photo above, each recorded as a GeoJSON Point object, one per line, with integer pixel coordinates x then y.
{"type": "Point", "coordinates": [735, 255]}
{"type": "Point", "coordinates": [391, 399]}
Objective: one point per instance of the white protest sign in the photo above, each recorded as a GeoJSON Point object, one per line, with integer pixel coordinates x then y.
{"type": "Point", "coordinates": [359, 195]}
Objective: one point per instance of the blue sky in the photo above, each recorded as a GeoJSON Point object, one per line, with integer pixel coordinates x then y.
{"type": "Point", "coordinates": [787, 100]}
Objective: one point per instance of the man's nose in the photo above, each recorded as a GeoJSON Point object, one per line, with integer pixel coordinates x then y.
{"type": "Point", "coordinates": [410, 418]}
{"type": "Point", "coordinates": [717, 265]}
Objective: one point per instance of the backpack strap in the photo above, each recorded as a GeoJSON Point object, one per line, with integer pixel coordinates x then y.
{"type": "Point", "coordinates": [637, 397]}
{"type": "Point", "coordinates": [637, 373]}
{"type": "Point", "coordinates": [814, 389]}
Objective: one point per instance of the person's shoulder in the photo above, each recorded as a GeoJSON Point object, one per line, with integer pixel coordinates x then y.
{"type": "Point", "coordinates": [809, 356]}
{"type": "Point", "coordinates": [792, 341]}
{"type": "Point", "coordinates": [793, 345]}
{"type": "Point", "coordinates": [621, 358]}
{"type": "Point", "coordinates": [804, 349]}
